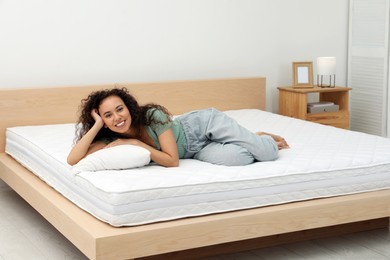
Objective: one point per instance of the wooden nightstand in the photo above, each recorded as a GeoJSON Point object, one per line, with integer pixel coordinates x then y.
{"type": "Point", "coordinates": [293, 103]}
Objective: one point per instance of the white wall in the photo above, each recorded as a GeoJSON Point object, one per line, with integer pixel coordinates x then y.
{"type": "Point", "coordinates": [78, 42]}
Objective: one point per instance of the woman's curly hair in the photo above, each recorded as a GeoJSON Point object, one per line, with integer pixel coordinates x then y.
{"type": "Point", "coordinates": [138, 113]}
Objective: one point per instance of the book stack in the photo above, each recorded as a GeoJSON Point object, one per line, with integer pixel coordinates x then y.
{"type": "Point", "coordinates": [323, 106]}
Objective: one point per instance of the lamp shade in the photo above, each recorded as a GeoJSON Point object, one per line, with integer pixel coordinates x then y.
{"type": "Point", "coordinates": [326, 65]}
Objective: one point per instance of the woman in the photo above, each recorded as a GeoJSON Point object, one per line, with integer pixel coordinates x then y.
{"type": "Point", "coordinates": [114, 117]}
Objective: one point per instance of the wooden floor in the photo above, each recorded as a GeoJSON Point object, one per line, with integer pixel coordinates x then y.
{"type": "Point", "coordinates": [24, 234]}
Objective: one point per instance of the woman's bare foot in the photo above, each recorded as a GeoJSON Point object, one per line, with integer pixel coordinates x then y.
{"type": "Point", "coordinates": [280, 141]}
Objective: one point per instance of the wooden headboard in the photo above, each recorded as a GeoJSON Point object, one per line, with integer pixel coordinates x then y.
{"type": "Point", "coordinates": [60, 104]}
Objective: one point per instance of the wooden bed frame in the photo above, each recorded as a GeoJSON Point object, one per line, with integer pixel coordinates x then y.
{"type": "Point", "coordinates": [256, 227]}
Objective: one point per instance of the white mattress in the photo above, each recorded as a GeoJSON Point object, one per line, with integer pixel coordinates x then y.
{"type": "Point", "coordinates": [323, 161]}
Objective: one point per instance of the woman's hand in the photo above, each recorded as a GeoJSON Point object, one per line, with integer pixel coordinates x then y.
{"type": "Point", "coordinates": [98, 119]}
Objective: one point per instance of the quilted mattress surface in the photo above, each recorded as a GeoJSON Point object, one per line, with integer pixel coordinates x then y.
{"type": "Point", "coordinates": [322, 161]}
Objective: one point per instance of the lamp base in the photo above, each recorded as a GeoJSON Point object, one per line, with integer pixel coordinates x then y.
{"type": "Point", "coordinates": [323, 83]}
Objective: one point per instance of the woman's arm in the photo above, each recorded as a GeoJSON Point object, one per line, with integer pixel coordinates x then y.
{"type": "Point", "coordinates": [168, 156]}
{"type": "Point", "coordinates": [85, 146]}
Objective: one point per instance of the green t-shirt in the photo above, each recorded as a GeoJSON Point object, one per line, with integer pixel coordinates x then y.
{"type": "Point", "coordinates": [156, 129]}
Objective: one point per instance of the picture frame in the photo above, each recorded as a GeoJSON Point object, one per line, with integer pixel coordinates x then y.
{"type": "Point", "coordinates": [302, 74]}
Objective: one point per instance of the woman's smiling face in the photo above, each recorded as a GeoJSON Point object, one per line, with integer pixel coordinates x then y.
{"type": "Point", "coordinates": [115, 114]}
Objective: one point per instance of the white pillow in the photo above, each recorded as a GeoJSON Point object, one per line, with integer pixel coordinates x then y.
{"type": "Point", "coordinates": [114, 158]}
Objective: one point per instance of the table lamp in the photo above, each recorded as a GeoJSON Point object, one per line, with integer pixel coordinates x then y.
{"type": "Point", "coordinates": [326, 69]}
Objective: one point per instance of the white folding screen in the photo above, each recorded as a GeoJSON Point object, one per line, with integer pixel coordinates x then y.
{"type": "Point", "coordinates": [368, 58]}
